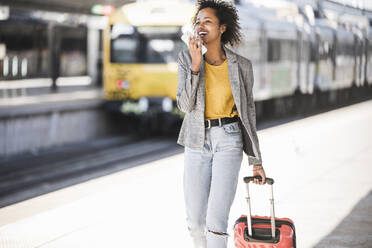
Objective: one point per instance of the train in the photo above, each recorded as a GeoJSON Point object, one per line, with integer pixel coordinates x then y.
{"type": "Point", "coordinates": [301, 58]}
{"type": "Point", "coordinates": [140, 45]}
{"type": "Point", "coordinates": [305, 59]}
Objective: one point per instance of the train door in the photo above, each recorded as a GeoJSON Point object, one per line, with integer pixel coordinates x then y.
{"type": "Point", "coordinates": [368, 66]}
{"type": "Point", "coordinates": [313, 46]}
{"type": "Point", "coordinates": [303, 60]}
{"type": "Point", "coordinates": [282, 64]}
{"type": "Point", "coordinates": [266, 87]}
{"type": "Point", "coordinates": [359, 59]}
{"type": "Point", "coordinates": [325, 66]}
{"type": "Point", "coordinates": [345, 59]}
{"type": "Point", "coordinates": [362, 60]}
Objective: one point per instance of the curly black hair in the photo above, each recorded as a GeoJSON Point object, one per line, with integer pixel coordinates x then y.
{"type": "Point", "coordinates": [226, 14]}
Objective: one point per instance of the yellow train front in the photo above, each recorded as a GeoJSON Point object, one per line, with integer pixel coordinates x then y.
{"type": "Point", "coordinates": [141, 46]}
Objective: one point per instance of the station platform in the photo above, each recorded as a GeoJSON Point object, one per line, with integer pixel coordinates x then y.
{"type": "Point", "coordinates": [322, 171]}
{"type": "Point", "coordinates": [49, 102]}
{"type": "Point", "coordinates": [31, 123]}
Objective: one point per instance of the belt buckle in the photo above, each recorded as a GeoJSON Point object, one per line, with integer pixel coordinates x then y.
{"type": "Point", "coordinates": [209, 123]}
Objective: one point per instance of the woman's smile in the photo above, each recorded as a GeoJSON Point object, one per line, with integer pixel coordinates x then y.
{"type": "Point", "coordinates": [202, 34]}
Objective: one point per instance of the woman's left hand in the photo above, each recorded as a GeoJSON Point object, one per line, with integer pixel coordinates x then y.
{"type": "Point", "coordinates": [258, 170]}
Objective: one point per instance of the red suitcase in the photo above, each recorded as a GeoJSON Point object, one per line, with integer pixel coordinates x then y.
{"type": "Point", "coordinates": [263, 231]}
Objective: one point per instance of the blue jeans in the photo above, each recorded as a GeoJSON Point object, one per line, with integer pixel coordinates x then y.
{"type": "Point", "coordinates": [210, 180]}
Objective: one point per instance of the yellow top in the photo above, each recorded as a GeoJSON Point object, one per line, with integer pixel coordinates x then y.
{"type": "Point", "coordinates": [219, 101]}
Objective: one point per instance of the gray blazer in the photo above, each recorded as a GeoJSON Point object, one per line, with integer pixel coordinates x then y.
{"type": "Point", "coordinates": [191, 100]}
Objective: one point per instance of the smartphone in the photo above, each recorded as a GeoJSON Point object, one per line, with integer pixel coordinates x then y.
{"type": "Point", "coordinates": [187, 31]}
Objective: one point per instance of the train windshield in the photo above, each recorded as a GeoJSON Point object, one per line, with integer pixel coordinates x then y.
{"type": "Point", "coordinates": [145, 44]}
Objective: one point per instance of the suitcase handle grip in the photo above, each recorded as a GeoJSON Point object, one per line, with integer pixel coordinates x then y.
{"type": "Point", "coordinates": [269, 181]}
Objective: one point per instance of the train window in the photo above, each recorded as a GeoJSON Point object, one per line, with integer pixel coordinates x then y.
{"type": "Point", "coordinates": [288, 50]}
{"type": "Point", "coordinates": [15, 66]}
{"type": "Point", "coordinates": [160, 51]}
{"type": "Point", "coordinates": [281, 50]}
{"type": "Point", "coordinates": [350, 49]}
{"type": "Point", "coordinates": [142, 50]}
{"type": "Point", "coordinates": [160, 44]}
{"type": "Point", "coordinates": [325, 50]}
{"type": "Point", "coordinates": [306, 53]}
{"type": "Point", "coordinates": [147, 45]}
{"type": "Point", "coordinates": [24, 67]}
{"type": "Point", "coordinates": [273, 50]}
{"type": "Point", "coordinates": [6, 66]}
{"type": "Point", "coordinates": [2, 50]}
{"type": "Point", "coordinates": [326, 47]}
{"type": "Point", "coordinates": [163, 50]}
{"type": "Point", "coordinates": [123, 50]}
{"type": "Point", "coordinates": [313, 52]}
{"type": "Point", "coordinates": [345, 49]}
{"type": "Point", "coordinates": [317, 14]}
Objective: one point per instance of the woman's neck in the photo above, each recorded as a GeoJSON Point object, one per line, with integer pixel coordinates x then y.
{"type": "Point", "coordinates": [215, 55]}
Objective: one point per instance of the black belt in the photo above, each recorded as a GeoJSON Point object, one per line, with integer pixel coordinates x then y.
{"type": "Point", "coordinates": [220, 121]}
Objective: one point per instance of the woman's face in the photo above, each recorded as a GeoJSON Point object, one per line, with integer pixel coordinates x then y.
{"type": "Point", "coordinates": [208, 26]}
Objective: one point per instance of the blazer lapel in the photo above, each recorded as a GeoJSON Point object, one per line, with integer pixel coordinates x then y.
{"type": "Point", "coordinates": [233, 69]}
{"type": "Point", "coordinates": [202, 86]}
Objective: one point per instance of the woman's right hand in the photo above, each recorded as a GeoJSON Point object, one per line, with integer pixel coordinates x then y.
{"type": "Point", "coordinates": [195, 52]}
{"type": "Point", "coordinates": [258, 170]}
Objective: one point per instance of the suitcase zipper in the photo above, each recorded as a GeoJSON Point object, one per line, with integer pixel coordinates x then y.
{"type": "Point", "coordinates": [255, 220]}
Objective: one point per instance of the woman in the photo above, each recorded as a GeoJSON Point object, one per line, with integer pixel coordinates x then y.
{"type": "Point", "coordinates": [215, 92]}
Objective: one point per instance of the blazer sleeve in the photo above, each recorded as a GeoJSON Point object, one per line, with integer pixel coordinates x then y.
{"type": "Point", "coordinates": [252, 113]}
{"type": "Point", "coordinates": [187, 85]}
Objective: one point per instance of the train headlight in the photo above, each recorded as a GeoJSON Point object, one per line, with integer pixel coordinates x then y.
{"type": "Point", "coordinates": [143, 104]}
{"type": "Point", "coordinates": [167, 104]}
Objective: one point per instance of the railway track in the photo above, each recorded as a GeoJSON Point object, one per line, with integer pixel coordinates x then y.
{"type": "Point", "coordinates": [31, 176]}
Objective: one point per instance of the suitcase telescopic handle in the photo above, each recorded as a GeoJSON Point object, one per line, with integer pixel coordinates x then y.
{"type": "Point", "coordinates": [269, 181]}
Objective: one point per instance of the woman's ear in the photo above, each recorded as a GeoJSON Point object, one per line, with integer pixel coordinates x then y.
{"type": "Point", "coordinates": [223, 28]}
